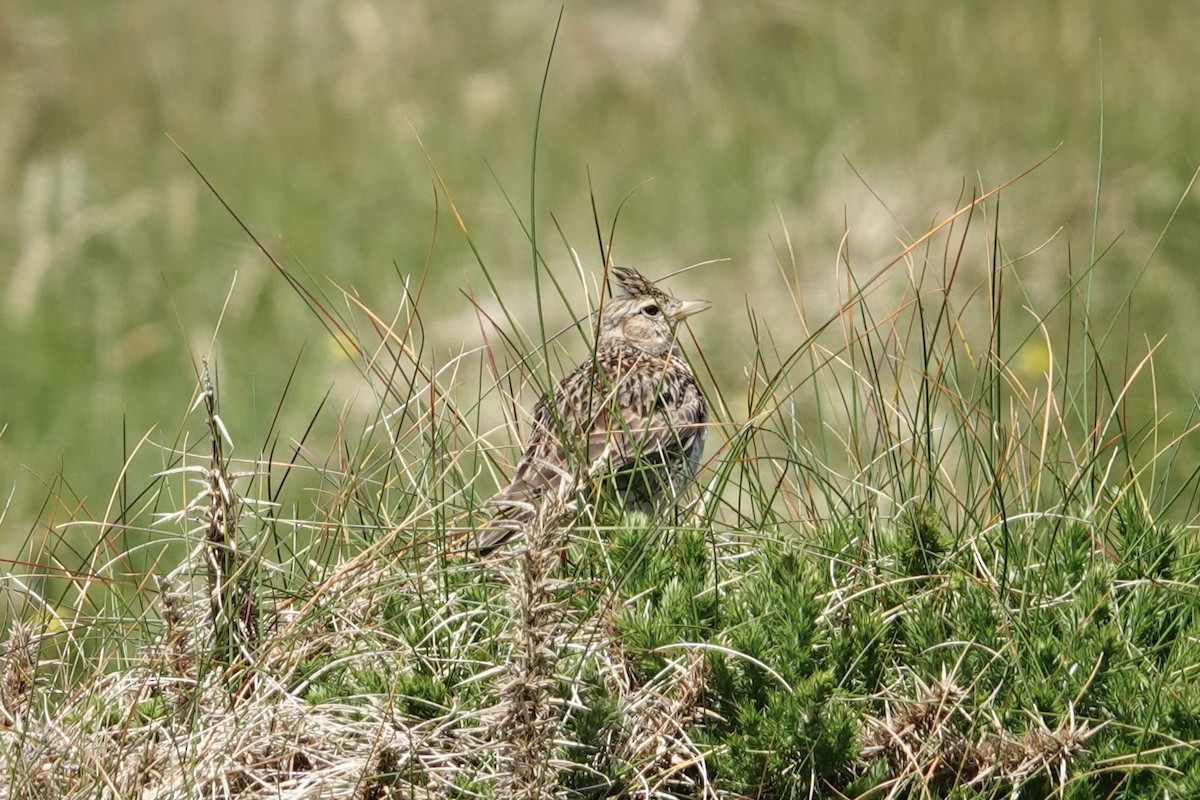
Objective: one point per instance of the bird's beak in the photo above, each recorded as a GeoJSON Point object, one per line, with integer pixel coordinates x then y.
{"type": "Point", "coordinates": [687, 308]}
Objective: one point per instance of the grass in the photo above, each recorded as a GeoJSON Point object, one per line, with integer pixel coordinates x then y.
{"type": "Point", "coordinates": [744, 122]}
{"type": "Point", "coordinates": [934, 551]}
{"type": "Point", "coordinates": [943, 542]}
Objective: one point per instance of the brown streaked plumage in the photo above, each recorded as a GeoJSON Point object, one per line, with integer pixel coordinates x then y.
{"type": "Point", "coordinates": [633, 414]}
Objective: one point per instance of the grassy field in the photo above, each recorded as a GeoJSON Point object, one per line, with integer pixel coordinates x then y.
{"type": "Point", "coordinates": [943, 542]}
{"type": "Point", "coordinates": [956, 582]}
{"type": "Point", "coordinates": [758, 130]}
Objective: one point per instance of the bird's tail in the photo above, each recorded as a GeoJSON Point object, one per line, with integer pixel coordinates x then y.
{"type": "Point", "coordinates": [511, 518]}
{"type": "Point", "coordinates": [542, 493]}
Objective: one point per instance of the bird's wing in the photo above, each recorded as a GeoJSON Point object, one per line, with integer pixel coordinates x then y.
{"type": "Point", "coordinates": [516, 505]}
{"type": "Point", "coordinates": [646, 412]}
{"type": "Point", "coordinates": [545, 468]}
{"type": "Point", "coordinates": [667, 413]}
{"type": "Point", "coordinates": [542, 467]}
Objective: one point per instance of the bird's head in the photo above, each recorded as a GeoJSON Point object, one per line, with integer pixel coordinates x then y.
{"type": "Point", "coordinates": [643, 315]}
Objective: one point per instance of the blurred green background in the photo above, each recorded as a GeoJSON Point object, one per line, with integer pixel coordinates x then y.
{"type": "Point", "coordinates": [752, 122]}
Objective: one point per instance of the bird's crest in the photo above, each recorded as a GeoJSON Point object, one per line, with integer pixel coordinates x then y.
{"type": "Point", "coordinates": [635, 284]}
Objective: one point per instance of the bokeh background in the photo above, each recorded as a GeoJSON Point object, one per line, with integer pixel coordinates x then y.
{"type": "Point", "coordinates": [754, 133]}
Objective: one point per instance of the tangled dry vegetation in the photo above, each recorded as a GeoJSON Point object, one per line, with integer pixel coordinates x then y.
{"type": "Point", "coordinates": [977, 597]}
{"type": "Point", "coordinates": [240, 694]}
{"type": "Point", "coordinates": [381, 681]}
{"type": "Point", "coordinates": [680, 663]}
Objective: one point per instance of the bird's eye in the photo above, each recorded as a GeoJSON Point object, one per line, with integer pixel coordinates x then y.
{"type": "Point", "coordinates": [651, 310]}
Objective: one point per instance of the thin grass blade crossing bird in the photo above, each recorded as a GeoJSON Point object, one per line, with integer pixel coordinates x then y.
{"type": "Point", "coordinates": [632, 416]}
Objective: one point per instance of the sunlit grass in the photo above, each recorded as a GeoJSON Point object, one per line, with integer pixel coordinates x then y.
{"type": "Point", "coordinates": [746, 122]}
{"type": "Point", "coordinates": [943, 540]}
{"type": "Point", "coordinates": [934, 550]}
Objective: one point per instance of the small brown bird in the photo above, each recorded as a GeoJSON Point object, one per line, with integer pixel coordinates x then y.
{"type": "Point", "coordinates": [631, 415]}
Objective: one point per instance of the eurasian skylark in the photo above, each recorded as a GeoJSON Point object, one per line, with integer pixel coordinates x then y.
{"type": "Point", "coordinates": [631, 417]}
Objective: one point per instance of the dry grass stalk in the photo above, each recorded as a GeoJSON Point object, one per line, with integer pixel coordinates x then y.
{"type": "Point", "coordinates": [937, 739]}
{"type": "Point", "coordinates": [529, 722]}
{"type": "Point", "coordinates": [18, 663]}
{"type": "Point", "coordinates": [174, 651]}
{"type": "Point", "coordinates": [233, 606]}
{"type": "Point", "coordinates": [653, 734]}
